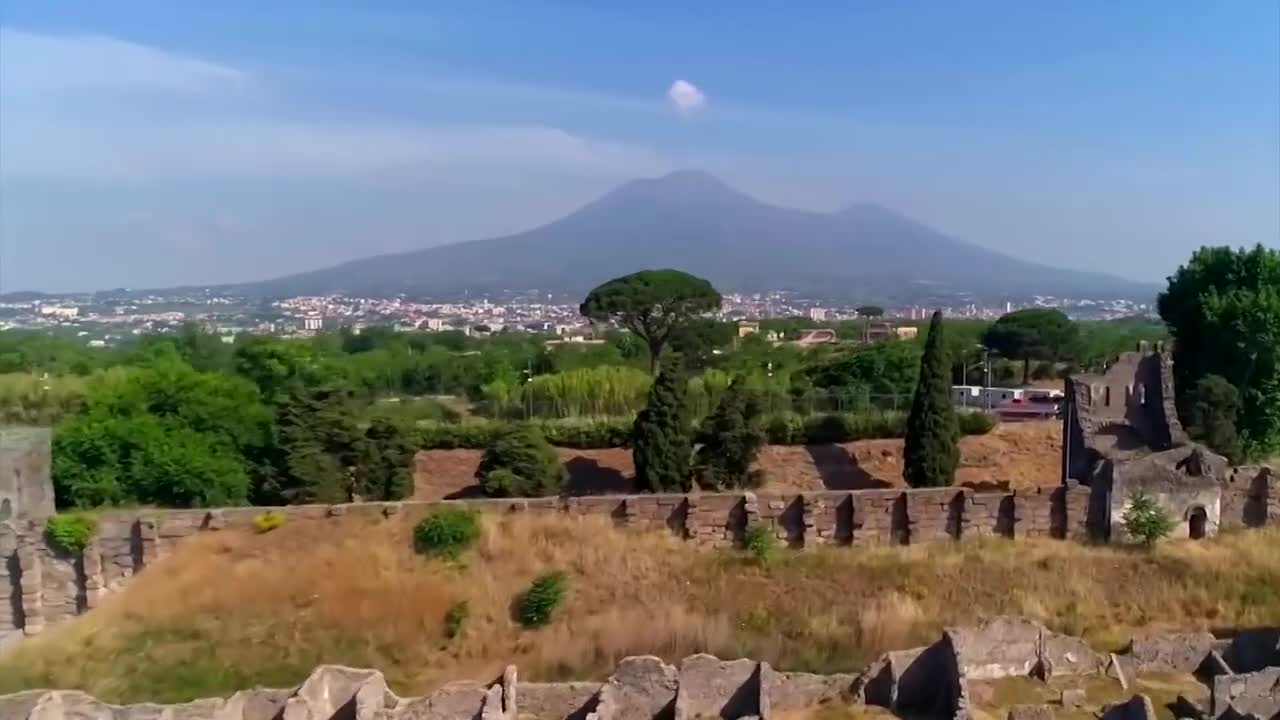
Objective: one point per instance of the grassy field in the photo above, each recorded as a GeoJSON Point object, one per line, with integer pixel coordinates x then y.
{"type": "Point", "coordinates": [229, 610]}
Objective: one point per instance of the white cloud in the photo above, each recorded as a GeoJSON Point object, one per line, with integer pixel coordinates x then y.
{"type": "Point", "coordinates": [99, 108]}
{"type": "Point", "coordinates": [686, 96]}
{"type": "Point", "coordinates": [34, 64]}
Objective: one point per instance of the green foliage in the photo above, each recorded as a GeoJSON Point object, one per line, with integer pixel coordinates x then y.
{"type": "Point", "coordinates": [539, 603]}
{"type": "Point", "coordinates": [1101, 341]}
{"type": "Point", "coordinates": [930, 454]}
{"type": "Point", "coordinates": [731, 439]}
{"type": "Point", "coordinates": [760, 542]}
{"type": "Point", "coordinates": [1223, 311]}
{"type": "Point", "coordinates": [455, 618]}
{"type": "Point", "coordinates": [70, 533]}
{"type": "Point", "coordinates": [161, 434]}
{"type": "Point", "coordinates": [975, 423]}
{"type": "Point", "coordinates": [662, 441]}
{"type": "Point", "coordinates": [447, 532]}
{"type": "Point", "coordinates": [315, 448]}
{"type": "Point", "coordinates": [652, 304]}
{"type": "Point", "coordinates": [1034, 334]}
{"type": "Point", "coordinates": [268, 521]}
{"type": "Point", "coordinates": [886, 368]}
{"type": "Point", "coordinates": [384, 470]}
{"type": "Point", "coordinates": [597, 391]}
{"type": "Point", "coordinates": [1215, 403]}
{"type": "Point", "coordinates": [697, 339]}
{"type": "Point", "coordinates": [31, 399]}
{"type": "Point", "coordinates": [869, 311]}
{"type": "Point", "coordinates": [521, 463]}
{"type": "Point", "coordinates": [1144, 519]}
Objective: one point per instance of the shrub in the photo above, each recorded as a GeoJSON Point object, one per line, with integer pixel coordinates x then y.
{"type": "Point", "coordinates": [975, 423]}
{"type": "Point", "coordinates": [785, 429]}
{"type": "Point", "coordinates": [541, 600]}
{"type": "Point", "coordinates": [521, 464]}
{"type": "Point", "coordinates": [447, 532]}
{"type": "Point", "coordinates": [455, 617]}
{"type": "Point", "coordinates": [761, 543]}
{"type": "Point", "coordinates": [1144, 519]}
{"type": "Point", "coordinates": [70, 533]}
{"type": "Point", "coordinates": [1215, 402]}
{"type": "Point", "coordinates": [731, 439]}
{"type": "Point", "coordinates": [268, 521]}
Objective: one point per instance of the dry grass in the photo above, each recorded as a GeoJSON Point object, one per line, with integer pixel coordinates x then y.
{"type": "Point", "coordinates": [231, 610]}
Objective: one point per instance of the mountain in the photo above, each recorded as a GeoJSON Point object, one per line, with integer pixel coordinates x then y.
{"type": "Point", "coordinates": [695, 222]}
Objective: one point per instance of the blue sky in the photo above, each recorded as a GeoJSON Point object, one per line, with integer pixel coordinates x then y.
{"type": "Point", "coordinates": [157, 143]}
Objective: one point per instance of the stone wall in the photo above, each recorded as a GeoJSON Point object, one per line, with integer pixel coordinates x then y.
{"type": "Point", "coordinates": [25, 488]}
{"type": "Point", "coordinates": [44, 586]}
{"type": "Point", "coordinates": [1250, 498]}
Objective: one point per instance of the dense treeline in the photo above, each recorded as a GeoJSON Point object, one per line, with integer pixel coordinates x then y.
{"type": "Point", "coordinates": [185, 418]}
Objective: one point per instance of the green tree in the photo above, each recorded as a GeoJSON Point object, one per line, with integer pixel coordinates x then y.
{"type": "Point", "coordinates": [1214, 406]}
{"type": "Point", "coordinates": [314, 448]}
{"type": "Point", "coordinates": [731, 439]}
{"type": "Point", "coordinates": [662, 440]}
{"type": "Point", "coordinates": [1033, 334]}
{"type": "Point", "coordinates": [1223, 311]}
{"type": "Point", "coordinates": [930, 454]}
{"type": "Point", "coordinates": [521, 463]}
{"type": "Point", "coordinates": [698, 339]}
{"type": "Point", "coordinates": [160, 434]}
{"type": "Point", "coordinates": [384, 470]}
{"type": "Point", "coordinates": [652, 304]}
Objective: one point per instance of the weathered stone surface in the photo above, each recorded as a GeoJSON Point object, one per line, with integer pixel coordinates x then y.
{"type": "Point", "coordinates": [1181, 652]}
{"type": "Point", "coordinates": [797, 691]}
{"type": "Point", "coordinates": [710, 687]}
{"type": "Point", "coordinates": [1256, 693]}
{"type": "Point", "coordinates": [557, 701]}
{"type": "Point", "coordinates": [1072, 698]}
{"type": "Point", "coordinates": [1138, 707]}
{"type": "Point", "coordinates": [1010, 646]}
{"type": "Point", "coordinates": [455, 701]}
{"type": "Point", "coordinates": [641, 688]}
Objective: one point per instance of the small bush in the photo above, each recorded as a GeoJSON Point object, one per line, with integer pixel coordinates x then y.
{"type": "Point", "coordinates": [543, 597]}
{"type": "Point", "coordinates": [761, 543]}
{"type": "Point", "coordinates": [1144, 519]}
{"type": "Point", "coordinates": [975, 423]}
{"type": "Point", "coordinates": [455, 617]}
{"type": "Point", "coordinates": [268, 521]}
{"type": "Point", "coordinates": [447, 532]}
{"type": "Point", "coordinates": [521, 464]}
{"type": "Point", "coordinates": [70, 533]}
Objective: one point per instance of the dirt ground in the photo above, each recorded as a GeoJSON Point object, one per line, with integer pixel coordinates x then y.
{"type": "Point", "coordinates": [1013, 455]}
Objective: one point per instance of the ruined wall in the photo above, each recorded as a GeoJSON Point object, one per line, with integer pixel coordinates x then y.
{"type": "Point", "coordinates": [46, 586]}
{"type": "Point", "coordinates": [25, 487]}
{"type": "Point", "coordinates": [1250, 498]}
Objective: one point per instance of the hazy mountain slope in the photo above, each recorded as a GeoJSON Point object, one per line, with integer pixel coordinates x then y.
{"type": "Point", "coordinates": [694, 222]}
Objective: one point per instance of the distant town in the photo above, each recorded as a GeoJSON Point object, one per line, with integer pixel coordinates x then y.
{"type": "Point", "coordinates": [105, 319]}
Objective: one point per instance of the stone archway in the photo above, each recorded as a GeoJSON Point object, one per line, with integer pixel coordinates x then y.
{"type": "Point", "coordinates": [1197, 523]}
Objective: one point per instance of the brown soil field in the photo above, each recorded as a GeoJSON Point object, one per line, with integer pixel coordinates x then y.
{"type": "Point", "coordinates": [1013, 455]}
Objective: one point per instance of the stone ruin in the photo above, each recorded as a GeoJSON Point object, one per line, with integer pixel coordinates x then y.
{"type": "Point", "coordinates": [1122, 436]}
{"type": "Point", "coordinates": [1241, 676]}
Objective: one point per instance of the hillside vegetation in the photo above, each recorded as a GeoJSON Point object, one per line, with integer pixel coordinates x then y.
{"type": "Point", "coordinates": [229, 610]}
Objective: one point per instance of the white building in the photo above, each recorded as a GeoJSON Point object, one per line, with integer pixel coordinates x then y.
{"type": "Point", "coordinates": [60, 312]}
{"type": "Point", "coordinates": [817, 314]}
{"type": "Point", "coordinates": [312, 322]}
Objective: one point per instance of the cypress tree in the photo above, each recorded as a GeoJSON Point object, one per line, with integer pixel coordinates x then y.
{"type": "Point", "coordinates": [662, 441]}
{"type": "Point", "coordinates": [731, 439]}
{"type": "Point", "coordinates": [930, 455]}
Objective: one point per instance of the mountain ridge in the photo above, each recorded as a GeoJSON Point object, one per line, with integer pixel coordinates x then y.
{"type": "Point", "coordinates": [695, 221]}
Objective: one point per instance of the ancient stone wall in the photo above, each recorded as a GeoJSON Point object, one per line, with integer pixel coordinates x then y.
{"type": "Point", "coordinates": [43, 586]}
{"type": "Point", "coordinates": [1250, 498]}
